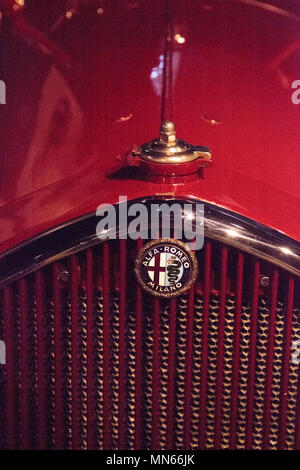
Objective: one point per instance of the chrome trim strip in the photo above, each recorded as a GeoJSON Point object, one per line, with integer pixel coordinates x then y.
{"type": "Point", "coordinates": [220, 224]}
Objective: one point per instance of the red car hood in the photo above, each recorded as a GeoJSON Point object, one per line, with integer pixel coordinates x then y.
{"type": "Point", "coordinates": [233, 69]}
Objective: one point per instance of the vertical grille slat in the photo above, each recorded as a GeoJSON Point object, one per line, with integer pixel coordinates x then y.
{"type": "Point", "coordinates": [99, 368]}
{"type": "Point", "coordinates": [106, 345]}
{"type": "Point", "coordinates": [41, 364]}
{"type": "Point", "coordinates": [82, 365]}
{"type": "Point", "coordinates": [75, 325]}
{"type": "Point", "coordinates": [204, 352]}
{"type": "Point", "coordinates": [91, 421]}
{"type": "Point", "coordinates": [270, 358]}
{"type": "Point", "coordinates": [58, 351]}
{"type": "Point", "coordinates": [189, 370]}
{"type": "Point", "coordinates": [236, 352]}
{"type": "Point", "coordinates": [25, 392]}
{"type": "Point", "coordinates": [155, 444]}
{"type": "Point", "coordinates": [148, 375]}
{"type": "Point", "coordinates": [286, 361]}
{"type": "Point", "coordinates": [252, 357]}
{"type": "Point", "coordinates": [196, 368]}
{"type": "Point", "coordinates": [171, 374]}
{"type": "Point", "coordinates": [122, 347]}
{"type": "Point", "coordinates": [180, 379]}
{"type": "Point", "coordinates": [115, 371]}
{"type": "Point", "coordinates": [10, 370]}
{"type": "Point", "coordinates": [138, 361]}
{"type": "Point", "coordinates": [164, 376]}
{"type": "Point", "coordinates": [94, 362]}
{"type": "Point", "coordinates": [131, 382]}
{"type": "Point", "coordinates": [220, 352]}
{"type": "Point", "coordinates": [277, 374]}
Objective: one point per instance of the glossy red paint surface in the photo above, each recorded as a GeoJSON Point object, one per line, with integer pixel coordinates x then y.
{"type": "Point", "coordinates": [63, 134]}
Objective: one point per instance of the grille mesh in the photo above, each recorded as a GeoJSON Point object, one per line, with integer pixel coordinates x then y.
{"type": "Point", "coordinates": [93, 362]}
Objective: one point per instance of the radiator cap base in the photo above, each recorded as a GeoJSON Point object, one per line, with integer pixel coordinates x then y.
{"type": "Point", "coordinates": [168, 156]}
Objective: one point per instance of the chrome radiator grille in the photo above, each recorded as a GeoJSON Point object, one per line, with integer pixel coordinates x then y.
{"type": "Point", "coordinates": [94, 363]}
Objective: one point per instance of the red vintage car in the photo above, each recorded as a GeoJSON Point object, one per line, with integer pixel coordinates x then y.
{"type": "Point", "coordinates": [129, 342]}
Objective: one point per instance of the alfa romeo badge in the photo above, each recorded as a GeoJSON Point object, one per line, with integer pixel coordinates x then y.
{"type": "Point", "coordinates": [166, 268]}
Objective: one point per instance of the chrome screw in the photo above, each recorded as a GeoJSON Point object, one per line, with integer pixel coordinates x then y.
{"type": "Point", "coordinates": [265, 281]}
{"type": "Point", "coordinates": [64, 275]}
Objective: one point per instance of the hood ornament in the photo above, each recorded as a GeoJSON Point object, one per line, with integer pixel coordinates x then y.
{"type": "Point", "coordinates": [170, 150]}
{"type": "Point", "coordinates": [168, 159]}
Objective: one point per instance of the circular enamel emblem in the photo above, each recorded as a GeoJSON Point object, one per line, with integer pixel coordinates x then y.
{"type": "Point", "coordinates": [166, 268]}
